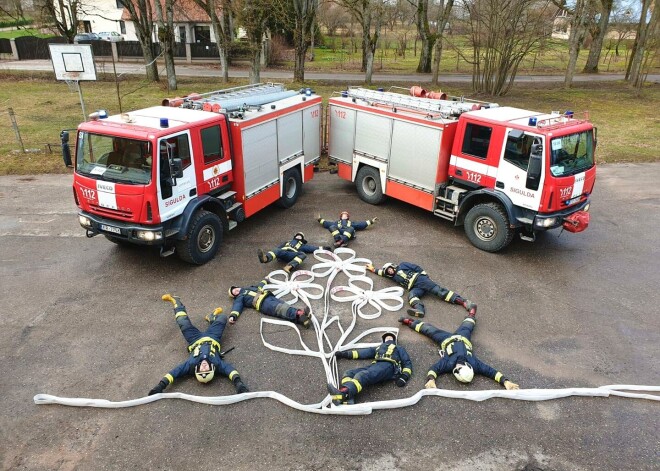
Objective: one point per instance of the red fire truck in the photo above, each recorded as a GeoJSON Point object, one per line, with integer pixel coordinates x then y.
{"type": "Point", "coordinates": [495, 170]}
{"type": "Point", "coordinates": [180, 175]}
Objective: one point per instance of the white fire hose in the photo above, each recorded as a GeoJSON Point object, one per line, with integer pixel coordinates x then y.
{"type": "Point", "coordinates": [300, 287]}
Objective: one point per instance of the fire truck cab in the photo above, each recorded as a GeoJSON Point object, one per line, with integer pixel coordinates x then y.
{"type": "Point", "coordinates": [181, 176]}
{"type": "Point", "coordinates": [498, 171]}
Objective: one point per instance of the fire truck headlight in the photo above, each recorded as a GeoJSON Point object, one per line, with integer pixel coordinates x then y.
{"type": "Point", "coordinates": [546, 222]}
{"type": "Point", "coordinates": [149, 236]}
{"type": "Point", "coordinates": [85, 221]}
{"type": "Point", "coordinates": [586, 207]}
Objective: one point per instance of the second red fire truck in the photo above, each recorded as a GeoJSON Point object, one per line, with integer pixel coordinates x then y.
{"type": "Point", "coordinates": [498, 171]}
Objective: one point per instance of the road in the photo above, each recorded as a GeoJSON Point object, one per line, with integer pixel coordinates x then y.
{"type": "Point", "coordinates": [83, 318]}
{"type": "Point", "coordinates": [210, 70]}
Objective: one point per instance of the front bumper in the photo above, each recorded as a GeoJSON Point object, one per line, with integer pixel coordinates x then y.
{"type": "Point", "coordinates": [133, 233]}
{"type": "Point", "coordinates": [547, 221]}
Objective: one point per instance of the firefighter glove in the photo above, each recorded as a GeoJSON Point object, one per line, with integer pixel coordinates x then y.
{"type": "Point", "coordinates": [509, 385]}
{"type": "Point", "coordinates": [402, 379]}
{"type": "Point", "coordinates": [159, 388]}
{"type": "Point", "coordinates": [344, 354]}
{"type": "Point", "coordinates": [232, 319]}
{"type": "Point", "coordinates": [430, 384]}
{"type": "Point", "coordinates": [371, 268]}
{"type": "Point", "coordinates": [374, 220]}
{"type": "Point", "coordinates": [319, 219]}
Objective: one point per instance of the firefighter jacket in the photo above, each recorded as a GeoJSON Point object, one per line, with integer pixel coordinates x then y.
{"type": "Point", "coordinates": [386, 352]}
{"type": "Point", "coordinates": [251, 296]}
{"type": "Point", "coordinates": [295, 245]}
{"type": "Point", "coordinates": [406, 274]}
{"type": "Point", "coordinates": [457, 349]}
{"type": "Point", "coordinates": [204, 348]}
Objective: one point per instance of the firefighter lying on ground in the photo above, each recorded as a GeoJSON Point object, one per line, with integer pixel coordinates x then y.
{"type": "Point", "coordinates": [456, 353]}
{"type": "Point", "coordinates": [292, 252]}
{"type": "Point", "coordinates": [204, 347]}
{"type": "Point", "coordinates": [413, 278]}
{"type": "Point", "coordinates": [266, 303]}
{"type": "Point", "coordinates": [344, 229]}
{"type": "Point", "coordinates": [390, 362]}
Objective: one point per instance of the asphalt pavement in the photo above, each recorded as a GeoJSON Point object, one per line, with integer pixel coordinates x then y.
{"type": "Point", "coordinates": [83, 318]}
{"type": "Point", "coordinates": [209, 69]}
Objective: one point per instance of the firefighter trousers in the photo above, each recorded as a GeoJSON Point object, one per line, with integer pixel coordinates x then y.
{"type": "Point", "coordinates": [293, 258]}
{"type": "Point", "coordinates": [192, 333]}
{"type": "Point", "coordinates": [439, 335]}
{"type": "Point", "coordinates": [424, 284]}
{"type": "Point", "coordinates": [271, 306]}
{"type": "Point", "coordinates": [378, 372]}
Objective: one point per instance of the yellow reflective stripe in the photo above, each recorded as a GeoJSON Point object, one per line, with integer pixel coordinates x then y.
{"type": "Point", "coordinates": [449, 295]}
{"type": "Point", "coordinates": [321, 221]}
{"type": "Point", "coordinates": [347, 234]}
{"type": "Point", "coordinates": [169, 377]}
{"type": "Point", "coordinates": [272, 254]}
{"type": "Point", "coordinates": [412, 280]}
{"type": "Point", "coordinates": [413, 300]}
{"type": "Point", "coordinates": [469, 319]}
{"type": "Point", "coordinates": [297, 259]}
{"type": "Point", "coordinates": [432, 373]}
{"type": "Point", "coordinates": [407, 370]}
{"type": "Point", "coordinates": [214, 343]}
{"type": "Point", "coordinates": [390, 350]}
{"type": "Point", "coordinates": [368, 223]}
{"type": "Point", "coordinates": [345, 380]}
{"type": "Point", "coordinates": [335, 232]}
{"type": "Point", "coordinates": [348, 224]}
{"type": "Point", "coordinates": [180, 314]}
{"type": "Point", "coordinates": [235, 313]}
{"type": "Point", "coordinates": [355, 355]}
{"type": "Point", "coordinates": [498, 376]}
{"type": "Point", "coordinates": [357, 385]}
{"type": "Point", "coordinates": [232, 374]}
{"type": "Point", "coordinates": [260, 299]}
{"type": "Point", "coordinates": [456, 338]}
{"type": "Point", "coordinates": [418, 326]}
{"type": "Point", "coordinates": [380, 272]}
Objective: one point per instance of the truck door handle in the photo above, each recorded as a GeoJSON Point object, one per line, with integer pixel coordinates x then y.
{"type": "Point", "coordinates": [193, 192]}
{"type": "Point", "coordinates": [225, 178]}
{"type": "Point", "coordinates": [459, 173]}
{"type": "Point", "coordinates": [499, 184]}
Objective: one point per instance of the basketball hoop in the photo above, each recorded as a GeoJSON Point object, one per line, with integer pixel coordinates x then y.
{"type": "Point", "coordinates": [73, 85]}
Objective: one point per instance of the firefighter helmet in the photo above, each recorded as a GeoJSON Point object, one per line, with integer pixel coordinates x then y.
{"type": "Point", "coordinates": [302, 236]}
{"type": "Point", "coordinates": [463, 372]}
{"type": "Point", "coordinates": [231, 288]}
{"type": "Point", "coordinates": [341, 215]}
{"type": "Point", "coordinates": [388, 265]}
{"type": "Point", "coordinates": [389, 334]}
{"type": "Point", "coordinates": [204, 376]}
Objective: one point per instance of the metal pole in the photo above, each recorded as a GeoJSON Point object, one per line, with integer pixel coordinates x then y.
{"type": "Point", "coordinates": [82, 102]}
{"type": "Point", "coordinates": [12, 117]}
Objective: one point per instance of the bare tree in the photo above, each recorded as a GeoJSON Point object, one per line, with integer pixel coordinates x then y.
{"type": "Point", "coordinates": [253, 15]}
{"type": "Point", "coordinates": [166, 38]}
{"type": "Point", "coordinates": [64, 15]}
{"type": "Point", "coordinates": [598, 29]}
{"type": "Point", "coordinates": [332, 16]}
{"type": "Point", "coordinates": [370, 16]}
{"type": "Point", "coordinates": [431, 36]}
{"type": "Point", "coordinates": [220, 13]}
{"type": "Point", "coordinates": [141, 14]}
{"type": "Point", "coordinates": [646, 43]}
{"type": "Point", "coordinates": [304, 16]}
{"type": "Point", "coordinates": [578, 26]}
{"type": "Point", "coordinates": [503, 33]}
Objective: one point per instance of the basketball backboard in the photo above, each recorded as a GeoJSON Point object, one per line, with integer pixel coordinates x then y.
{"type": "Point", "coordinates": [73, 61]}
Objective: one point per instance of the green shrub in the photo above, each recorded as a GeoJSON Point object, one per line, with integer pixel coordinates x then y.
{"type": "Point", "coordinates": [12, 23]}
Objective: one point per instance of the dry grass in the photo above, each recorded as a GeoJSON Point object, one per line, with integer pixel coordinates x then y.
{"type": "Point", "coordinates": [628, 128]}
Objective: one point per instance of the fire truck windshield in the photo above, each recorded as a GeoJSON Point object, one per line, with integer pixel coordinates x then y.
{"type": "Point", "coordinates": [571, 154]}
{"type": "Point", "coordinates": [114, 158]}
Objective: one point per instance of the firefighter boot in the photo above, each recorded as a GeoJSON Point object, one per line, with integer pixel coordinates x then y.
{"type": "Point", "coordinates": [239, 385]}
{"type": "Point", "coordinates": [417, 310]}
{"type": "Point", "coordinates": [175, 300]}
{"type": "Point", "coordinates": [288, 268]}
{"type": "Point", "coordinates": [406, 321]}
{"type": "Point", "coordinates": [469, 306]}
{"type": "Point", "coordinates": [262, 256]}
{"type": "Point", "coordinates": [211, 317]}
{"type": "Point", "coordinates": [304, 317]}
{"type": "Point", "coordinates": [339, 396]}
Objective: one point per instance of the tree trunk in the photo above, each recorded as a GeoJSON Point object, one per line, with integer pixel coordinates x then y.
{"type": "Point", "coordinates": [424, 33]}
{"type": "Point", "coordinates": [575, 39]}
{"type": "Point", "coordinates": [591, 67]}
{"type": "Point", "coordinates": [436, 61]}
{"type": "Point", "coordinates": [299, 62]}
{"type": "Point", "coordinates": [636, 76]}
{"type": "Point", "coordinates": [151, 67]}
{"type": "Point", "coordinates": [255, 69]}
{"type": "Point", "coordinates": [369, 67]}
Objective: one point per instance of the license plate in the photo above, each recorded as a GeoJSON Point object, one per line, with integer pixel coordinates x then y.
{"type": "Point", "coordinates": [573, 200]}
{"type": "Point", "coordinates": [114, 230]}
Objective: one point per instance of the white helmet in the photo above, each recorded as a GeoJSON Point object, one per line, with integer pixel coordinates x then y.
{"type": "Point", "coordinates": [388, 265]}
{"type": "Point", "coordinates": [389, 333]}
{"type": "Point", "coordinates": [463, 372]}
{"type": "Point", "coordinates": [204, 376]}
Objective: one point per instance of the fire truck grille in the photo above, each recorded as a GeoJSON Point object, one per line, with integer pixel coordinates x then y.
{"type": "Point", "coordinates": [112, 212]}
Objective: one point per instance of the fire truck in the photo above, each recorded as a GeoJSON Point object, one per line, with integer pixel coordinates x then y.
{"type": "Point", "coordinates": [181, 175]}
{"type": "Point", "coordinates": [498, 171]}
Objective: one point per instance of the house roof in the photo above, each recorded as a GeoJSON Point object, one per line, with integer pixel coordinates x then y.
{"type": "Point", "coordinates": [185, 11]}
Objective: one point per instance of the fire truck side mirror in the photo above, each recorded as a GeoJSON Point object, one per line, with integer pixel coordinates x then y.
{"type": "Point", "coordinates": [535, 165]}
{"type": "Point", "coordinates": [595, 136]}
{"type": "Point", "coordinates": [177, 168]}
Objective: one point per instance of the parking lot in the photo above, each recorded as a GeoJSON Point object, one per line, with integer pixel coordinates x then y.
{"type": "Point", "coordinates": [83, 318]}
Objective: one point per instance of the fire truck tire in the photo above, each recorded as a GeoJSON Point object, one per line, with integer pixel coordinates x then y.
{"type": "Point", "coordinates": [487, 227]}
{"type": "Point", "coordinates": [367, 182]}
{"type": "Point", "coordinates": [292, 183]}
{"type": "Point", "coordinates": [203, 239]}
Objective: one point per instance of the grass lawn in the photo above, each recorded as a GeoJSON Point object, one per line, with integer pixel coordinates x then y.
{"type": "Point", "coordinates": [628, 129]}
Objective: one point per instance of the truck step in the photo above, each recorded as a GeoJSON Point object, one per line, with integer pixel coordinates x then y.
{"type": "Point", "coordinates": [234, 206]}
{"type": "Point", "coordinates": [166, 253]}
{"type": "Point", "coordinates": [232, 224]}
{"type": "Point", "coordinates": [528, 238]}
{"type": "Point", "coordinates": [226, 195]}
{"type": "Point", "coordinates": [448, 215]}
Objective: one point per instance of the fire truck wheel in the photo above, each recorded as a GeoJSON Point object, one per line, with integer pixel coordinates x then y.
{"type": "Point", "coordinates": [292, 188]}
{"type": "Point", "coordinates": [204, 238]}
{"type": "Point", "coordinates": [487, 227]}
{"type": "Point", "coordinates": [368, 185]}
